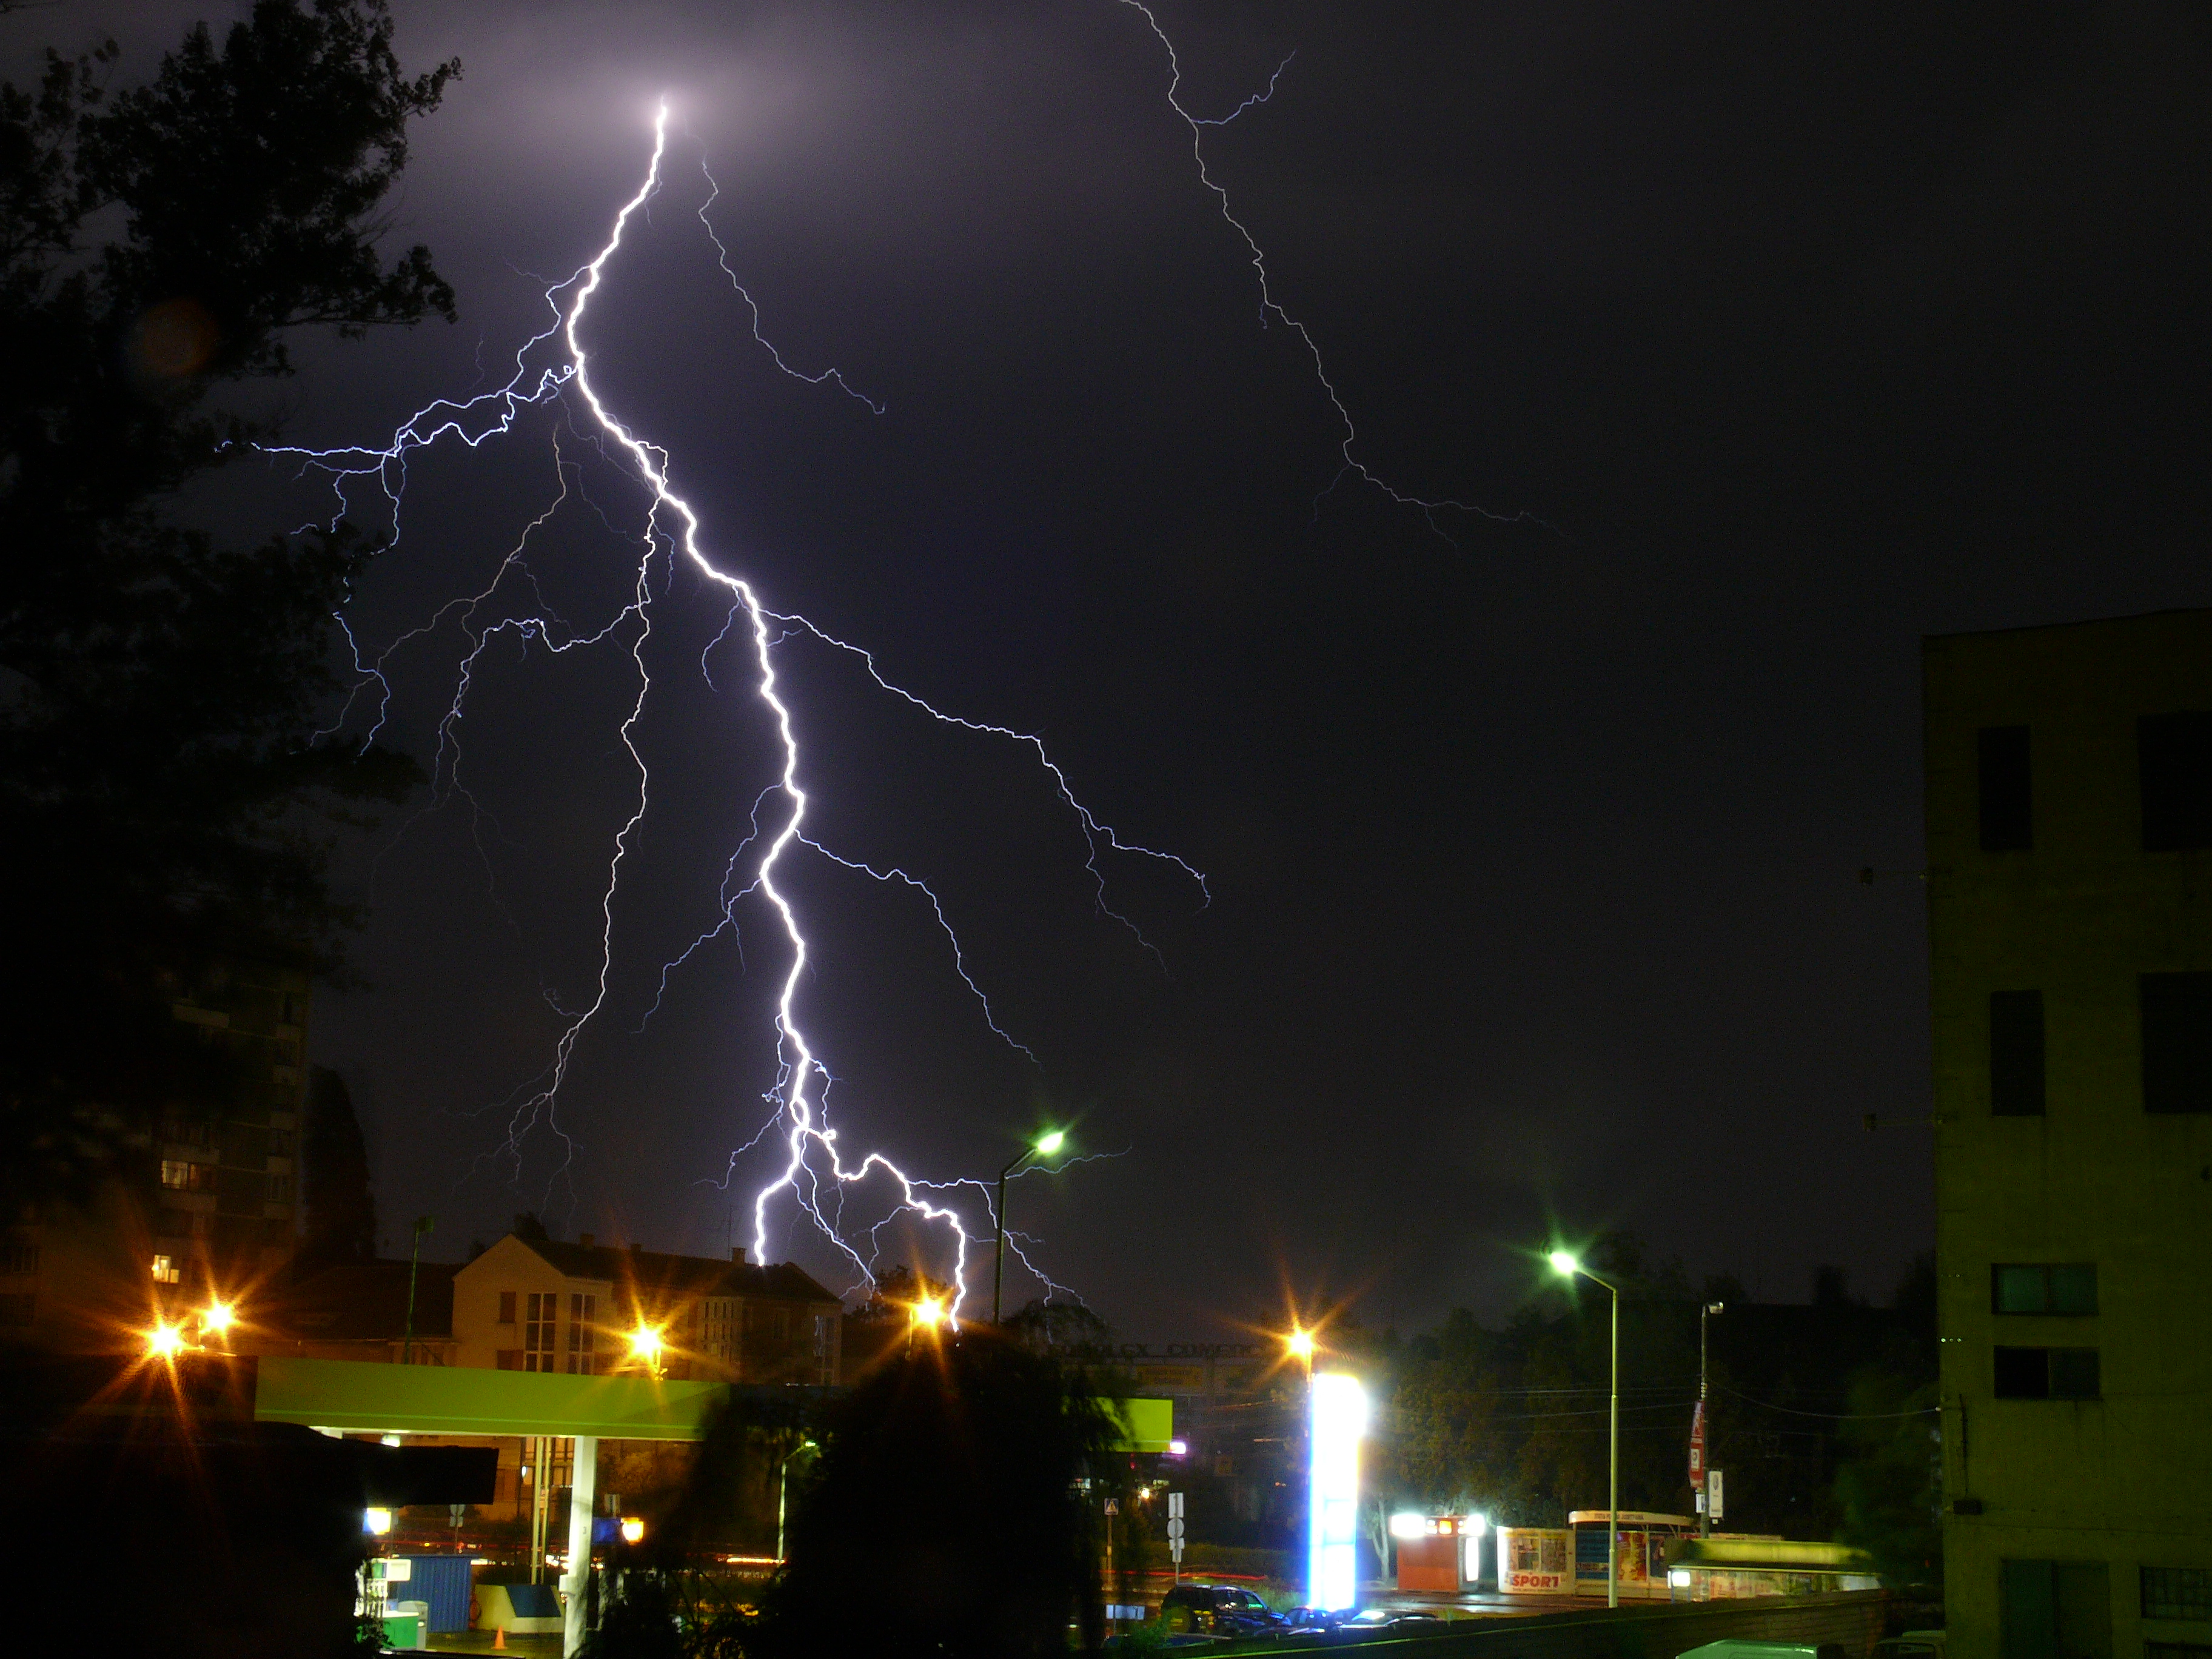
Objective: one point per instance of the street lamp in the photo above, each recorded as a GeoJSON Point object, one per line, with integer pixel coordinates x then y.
{"type": "Point", "coordinates": [1044, 1146]}
{"type": "Point", "coordinates": [645, 1346]}
{"type": "Point", "coordinates": [423, 1224]}
{"type": "Point", "coordinates": [1704, 1503]}
{"type": "Point", "coordinates": [783, 1476]}
{"type": "Point", "coordinates": [925, 1314]}
{"type": "Point", "coordinates": [164, 1341]}
{"type": "Point", "coordinates": [1565, 1264]}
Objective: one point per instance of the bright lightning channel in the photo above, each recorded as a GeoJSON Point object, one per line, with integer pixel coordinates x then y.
{"type": "Point", "coordinates": [814, 1172]}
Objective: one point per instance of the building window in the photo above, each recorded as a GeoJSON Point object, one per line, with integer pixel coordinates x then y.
{"type": "Point", "coordinates": [18, 1255]}
{"type": "Point", "coordinates": [2061, 1287]}
{"type": "Point", "coordinates": [18, 1308]}
{"type": "Point", "coordinates": [506, 1307]}
{"type": "Point", "coordinates": [545, 1310]}
{"type": "Point", "coordinates": [2055, 1610]}
{"type": "Point", "coordinates": [2016, 1054]}
{"type": "Point", "coordinates": [583, 1311]}
{"type": "Point", "coordinates": [2006, 814]}
{"type": "Point", "coordinates": [165, 1271]}
{"type": "Point", "coordinates": [280, 1189]}
{"type": "Point", "coordinates": [2173, 758]}
{"type": "Point", "coordinates": [2177, 1593]}
{"type": "Point", "coordinates": [2177, 1042]}
{"type": "Point", "coordinates": [181, 1176]}
{"type": "Point", "coordinates": [508, 1359]}
{"type": "Point", "coordinates": [2046, 1374]}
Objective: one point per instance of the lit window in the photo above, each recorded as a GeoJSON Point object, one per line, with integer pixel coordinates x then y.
{"type": "Point", "coordinates": [165, 1271]}
{"type": "Point", "coordinates": [181, 1176]}
{"type": "Point", "coordinates": [2063, 1287]}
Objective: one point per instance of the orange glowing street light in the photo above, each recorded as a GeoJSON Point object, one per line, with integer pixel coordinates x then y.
{"type": "Point", "coordinates": [644, 1345]}
{"type": "Point", "coordinates": [925, 1314]}
{"type": "Point", "coordinates": [164, 1341]}
{"type": "Point", "coordinates": [219, 1317]}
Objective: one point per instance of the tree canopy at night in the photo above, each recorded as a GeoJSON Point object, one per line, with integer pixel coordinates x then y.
{"type": "Point", "coordinates": [161, 784]}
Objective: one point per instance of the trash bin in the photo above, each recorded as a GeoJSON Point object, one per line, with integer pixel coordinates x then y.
{"type": "Point", "coordinates": [407, 1625]}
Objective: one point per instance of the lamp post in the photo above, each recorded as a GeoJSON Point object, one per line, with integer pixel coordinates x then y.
{"type": "Point", "coordinates": [1044, 1146]}
{"type": "Point", "coordinates": [1565, 1264]}
{"type": "Point", "coordinates": [782, 1475]}
{"type": "Point", "coordinates": [1704, 1505]}
{"type": "Point", "coordinates": [423, 1224]}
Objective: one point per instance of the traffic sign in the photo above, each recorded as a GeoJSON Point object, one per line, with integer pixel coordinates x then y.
{"type": "Point", "coordinates": [1174, 1505]}
{"type": "Point", "coordinates": [1174, 1525]}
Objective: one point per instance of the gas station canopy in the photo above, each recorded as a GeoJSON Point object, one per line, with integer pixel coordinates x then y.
{"type": "Point", "coordinates": [355, 1397]}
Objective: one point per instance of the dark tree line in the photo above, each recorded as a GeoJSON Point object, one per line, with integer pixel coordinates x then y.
{"type": "Point", "coordinates": [163, 790]}
{"type": "Point", "coordinates": [1819, 1413]}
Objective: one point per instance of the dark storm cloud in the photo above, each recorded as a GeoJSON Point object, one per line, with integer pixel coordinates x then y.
{"type": "Point", "coordinates": [1533, 853]}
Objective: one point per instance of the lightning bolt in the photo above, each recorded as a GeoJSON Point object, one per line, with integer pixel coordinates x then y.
{"type": "Point", "coordinates": [1270, 307]}
{"type": "Point", "coordinates": [814, 1174]}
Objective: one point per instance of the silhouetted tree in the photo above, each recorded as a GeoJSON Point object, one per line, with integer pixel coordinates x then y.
{"type": "Point", "coordinates": [1056, 1326]}
{"type": "Point", "coordinates": [160, 693]}
{"type": "Point", "coordinates": [944, 1515]}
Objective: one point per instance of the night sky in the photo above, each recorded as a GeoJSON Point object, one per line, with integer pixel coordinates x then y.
{"type": "Point", "coordinates": [1774, 338]}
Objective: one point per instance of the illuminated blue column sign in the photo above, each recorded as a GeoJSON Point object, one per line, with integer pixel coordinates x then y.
{"type": "Point", "coordinates": [1338, 1405]}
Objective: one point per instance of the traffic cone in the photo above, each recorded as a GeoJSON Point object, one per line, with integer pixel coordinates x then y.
{"type": "Point", "coordinates": [499, 1638]}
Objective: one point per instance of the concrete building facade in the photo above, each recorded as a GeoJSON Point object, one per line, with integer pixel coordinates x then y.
{"type": "Point", "coordinates": [2069, 892]}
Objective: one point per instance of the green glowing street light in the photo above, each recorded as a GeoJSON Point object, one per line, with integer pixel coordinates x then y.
{"type": "Point", "coordinates": [1044, 1146]}
{"type": "Point", "coordinates": [1568, 1266]}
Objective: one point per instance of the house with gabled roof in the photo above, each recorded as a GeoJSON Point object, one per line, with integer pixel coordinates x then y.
{"type": "Point", "coordinates": [587, 1308]}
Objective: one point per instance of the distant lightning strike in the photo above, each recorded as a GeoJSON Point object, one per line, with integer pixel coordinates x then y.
{"type": "Point", "coordinates": [1272, 307]}
{"type": "Point", "coordinates": [813, 1173]}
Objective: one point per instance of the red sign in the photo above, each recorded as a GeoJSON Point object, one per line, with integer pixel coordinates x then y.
{"type": "Point", "coordinates": [1698, 1447]}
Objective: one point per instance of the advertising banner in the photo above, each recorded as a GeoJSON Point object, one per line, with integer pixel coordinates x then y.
{"type": "Point", "coordinates": [1535, 1560]}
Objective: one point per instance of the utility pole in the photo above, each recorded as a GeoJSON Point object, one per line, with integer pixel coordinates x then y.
{"type": "Point", "coordinates": [423, 1224]}
{"type": "Point", "coordinates": [1704, 1504]}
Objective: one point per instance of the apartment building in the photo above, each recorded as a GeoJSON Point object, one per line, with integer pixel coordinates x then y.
{"type": "Point", "coordinates": [2069, 892]}
{"type": "Point", "coordinates": [202, 1207]}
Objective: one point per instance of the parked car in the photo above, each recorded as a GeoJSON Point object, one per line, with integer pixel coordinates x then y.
{"type": "Point", "coordinates": [1216, 1610]}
